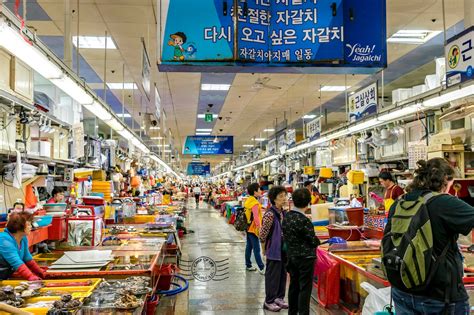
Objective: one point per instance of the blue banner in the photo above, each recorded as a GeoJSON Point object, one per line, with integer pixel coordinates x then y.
{"type": "Point", "coordinates": [209, 145]}
{"type": "Point", "coordinates": [292, 33]}
{"type": "Point", "coordinates": [199, 169]}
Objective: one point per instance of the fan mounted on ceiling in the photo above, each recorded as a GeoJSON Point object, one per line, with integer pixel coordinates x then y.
{"type": "Point", "coordinates": [459, 109]}
{"type": "Point", "coordinates": [385, 137]}
{"type": "Point", "coordinates": [263, 83]}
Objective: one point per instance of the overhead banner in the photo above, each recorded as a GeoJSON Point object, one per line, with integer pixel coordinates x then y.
{"type": "Point", "coordinates": [271, 146]}
{"type": "Point", "coordinates": [199, 169]}
{"type": "Point", "coordinates": [363, 103]}
{"type": "Point", "coordinates": [209, 145]}
{"type": "Point", "coordinates": [313, 129]}
{"type": "Point", "coordinates": [333, 34]}
{"type": "Point", "coordinates": [291, 138]}
{"type": "Point", "coordinates": [157, 105]}
{"type": "Point", "coordinates": [460, 57]}
{"type": "Point", "coordinates": [146, 71]}
{"type": "Point", "coordinates": [281, 140]}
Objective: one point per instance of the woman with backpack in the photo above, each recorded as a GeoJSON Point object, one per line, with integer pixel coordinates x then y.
{"type": "Point", "coordinates": [271, 235]}
{"type": "Point", "coordinates": [419, 248]}
{"type": "Point", "coordinates": [253, 213]}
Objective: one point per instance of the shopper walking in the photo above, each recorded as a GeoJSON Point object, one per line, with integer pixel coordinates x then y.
{"type": "Point", "coordinates": [443, 292]}
{"type": "Point", "coordinates": [253, 212]}
{"type": "Point", "coordinates": [197, 194]}
{"type": "Point", "coordinates": [271, 235]}
{"type": "Point", "coordinates": [298, 233]}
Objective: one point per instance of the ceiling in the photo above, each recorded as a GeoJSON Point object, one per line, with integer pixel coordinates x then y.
{"type": "Point", "coordinates": [245, 112]}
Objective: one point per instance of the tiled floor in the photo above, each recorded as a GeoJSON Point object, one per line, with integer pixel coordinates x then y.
{"type": "Point", "coordinates": [242, 292]}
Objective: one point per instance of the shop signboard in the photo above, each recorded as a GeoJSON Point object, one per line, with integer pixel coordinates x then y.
{"type": "Point", "coordinates": [281, 140]}
{"type": "Point", "coordinates": [78, 140]}
{"type": "Point", "coordinates": [209, 145]}
{"type": "Point", "coordinates": [199, 169]}
{"type": "Point", "coordinates": [271, 146]}
{"type": "Point", "coordinates": [460, 57]}
{"type": "Point", "coordinates": [309, 170]}
{"type": "Point", "coordinates": [157, 105]}
{"type": "Point", "coordinates": [333, 34]}
{"type": "Point", "coordinates": [363, 103]}
{"type": "Point", "coordinates": [146, 71]}
{"type": "Point", "coordinates": [313, 129]}
{"type": "Point", "coordinates": [291, 138]}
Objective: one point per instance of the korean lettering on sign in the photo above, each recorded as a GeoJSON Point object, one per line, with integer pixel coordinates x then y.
{"type": "Point", "coordinates": [281, 140]}
{"type": "Point", "coordinates": [313, 129]}
{"type": "Point", "coordinates": [460, 57]}
{"type": "Point", "coordinates": [271, 146]}
{"type": "Point", "coordinates": [363, 103]}
{"type": "Point", "coordinates": [291, 137]}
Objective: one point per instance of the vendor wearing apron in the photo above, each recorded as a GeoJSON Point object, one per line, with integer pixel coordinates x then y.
{"type": "Point", "coordinates": [392, 190]}
{"type": "Point", "coordinates": [14, 253]}
{"type": "Point", "coordinates": [57, 195]}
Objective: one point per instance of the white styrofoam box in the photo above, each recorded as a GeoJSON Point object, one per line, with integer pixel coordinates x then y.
{"type": "Point", "coordinates": [432, 82]}
{"type": "Point", "coordinates": [5, 70]}
{"type": "Point", "coordinates": [400, 95]}
{"type": "Point", "coordinates": [419, 89]}
{"type": "Point", "coordinates": [440, 68]}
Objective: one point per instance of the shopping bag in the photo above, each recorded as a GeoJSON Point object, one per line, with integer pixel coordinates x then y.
{"type": "Point", "coordinates": [377, 299]}
{"type": "Point", "coordinates": [323, 262]}
{"type": "Point", "coordinates": [329, 283]}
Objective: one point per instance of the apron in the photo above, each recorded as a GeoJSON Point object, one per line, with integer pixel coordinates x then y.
{"type": "Point", "coordinates": [388, 202]}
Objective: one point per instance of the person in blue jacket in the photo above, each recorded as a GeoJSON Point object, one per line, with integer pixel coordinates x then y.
{"type": "Point", "coordinates": [14, 253]}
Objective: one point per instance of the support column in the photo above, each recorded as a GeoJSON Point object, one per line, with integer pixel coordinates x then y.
{"type": "Point", "coordinates": [67, 34]}
{"type": "Point", "coordinates": [468, 13]}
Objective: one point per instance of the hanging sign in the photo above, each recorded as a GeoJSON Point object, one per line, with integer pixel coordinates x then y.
{"type": "Point", "coordinates": [78, 140]}
{"type": "Point", "coordinates": [157, 105]}
{"type": "Point", "coordinates": [363, 103]}
{"type": "Point", "coordinates": [460, 57]}
{"type": "Point", "coordinates": [208, 145]}
{"type": "Point", "coordinates": [293, 33]}
{"type": "Point", "coordinates": [313, 129]}
{"type": "Point", "coordinates": [146, 71]}
{"type": "Point", "coordinates": [309, 170]}
{"type": "Point", "coordinates": [199, 169]}
{"type": "Point", "coordinates": [271, 146]}
{"type": "Point", "coordinates": [291, 138]}
{"type": "Point", "coordinates": [281, 142]}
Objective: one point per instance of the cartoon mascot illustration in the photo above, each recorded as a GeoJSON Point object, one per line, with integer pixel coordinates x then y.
{"type": "Point", "coordinates": [177, 40]}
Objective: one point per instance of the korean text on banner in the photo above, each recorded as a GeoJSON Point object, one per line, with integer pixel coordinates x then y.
{"type": "Point", "coordinates": [363, 103]}
{"type": "Point", "coordinates": [313, 129]}
{"type": "Point", "coordinates": [291, 137]}
{"type": "Point", "coordinates": [460, 57]}
{"type": "Point", "coordinates": [208, 145]}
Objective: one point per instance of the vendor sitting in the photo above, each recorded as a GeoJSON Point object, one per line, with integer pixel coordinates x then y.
{"type": "Point", "coordinates": [392, 190]}
{"type": "Point", "coordinates": [57, 195]}
{"type": "Point", "coordinates": [14, 253]}
{"type": "Point", "coordinates": [313, 191]}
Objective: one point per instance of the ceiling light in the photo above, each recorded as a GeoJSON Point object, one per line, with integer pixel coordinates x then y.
{"type": "Point", "coordinates": [122, 86]}
{"type": "Point", "coordinates": [155, 128]}
{"type": "Point", "coordinates": [99, 110]}
{"type": "Point", "coordinates": [259, 139]}
{"type": "Point", "coordinates": [203, 130]}
{"type": "Point", "coordinates": [12, 41]}
{"type": "Point", "coordinates": [415, 37]}
{"type": "Point", "coordinates": [309, 116]}
{"type": "Point", "coordinates": [167, 151]}
{"type": "Point", "coordinates": [334, 88]}
{"type": "Point", "coordinates": [74, 90]}
{"type": "Point", "coordinates": [450, 96]}
{"type": "Point", "coordinates": [215, 87]}
{"type": "Point", "coordinates": [203, 116]}
{"type": "Point", "coordinates": [203, 133]}
{"type": "Point", "coordinates": [156, 138]}
{"type": "Point", "coordinates": [94, 42]}
{"type": "Point", "coordinates": [115, 124]}
{"type": "Point", "coordinates": [269, 130]}
{"type": "Point", "coordinates": [248, 145]}
{"type": "Point", "coordinates": [125, 115]}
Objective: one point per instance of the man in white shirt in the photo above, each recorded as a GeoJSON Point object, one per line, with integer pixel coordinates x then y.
{"type": "Point", "coordinates": [197, 193]}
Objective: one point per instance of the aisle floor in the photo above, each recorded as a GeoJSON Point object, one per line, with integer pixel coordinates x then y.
{"type": "Point", "coordinates": [242, 292]}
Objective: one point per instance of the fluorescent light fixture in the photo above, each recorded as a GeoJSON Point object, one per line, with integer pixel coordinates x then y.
{"type": "Point", "coordinates": [94, 42]}
{"type": "Point", "coordinates": [125, 134]}
{"type": "Point", "coordinates": [203, 130]}
{"type": "Point", "coordinates": [12, 41]}
{"type": "Point", "coordinates": [449, 96]}
{"type": "Point", "coordinates": [268, 158]}
{"type": "Point", "coordinates": [167, 151]}
{"type": "Point", "coordinates": [74, 90]}
{"type": "Point", "coordinates": [248, 145]}
{"type": "Point", "coordinates": [215, 87]}
{"type": "Point", "coordinates": [125, 115]}
{"type": "Point", "coordinates": [122, 86]}
{"type": "Point", "coordinates": [203, 116]}
{"type": "Point", "coordinates": [97, 109]}
{"type": "Point", "coordinates": [399, 113]}
{"type": "Point", "coordinates": [203, 133]}
{"type": "Point", "coordinates": [156, 138]}
{"type": "Point", "coordinates": [155, 128]}
{"type": "Point", "coordinates": [334, 88]}
{"type": "Point", "coordinates": [269, 130]}
{"type": "Point", "coordinates": [416, 37]}
{"type": "Point", "coordinates": [259, 139]}
{"type": "Point", "coordinates": [309, 116]}
{"type": "Point", "coordinates": [364, 125]}
{"type": "Point", "coordinates": [115, 124]}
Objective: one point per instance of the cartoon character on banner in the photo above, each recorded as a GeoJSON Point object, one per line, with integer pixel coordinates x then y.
{"type": "Point", "coordinates": [178, 40]}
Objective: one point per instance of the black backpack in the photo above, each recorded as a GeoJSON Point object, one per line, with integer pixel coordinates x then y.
{"type": "Point", "coordinates": [241, 223]}
{"type": "Point", "coordinates": [408, 258]}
